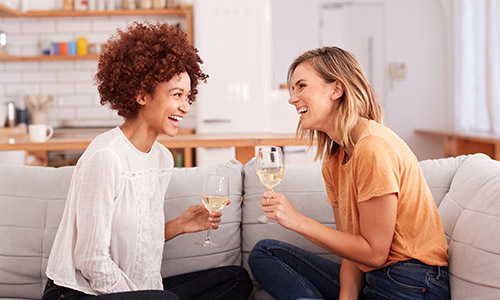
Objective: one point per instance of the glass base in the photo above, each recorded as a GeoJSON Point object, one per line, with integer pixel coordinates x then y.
{"type": "Point", "coordinates": [264, 220]}
{"type": "Point", "coordinates": [209, 244]}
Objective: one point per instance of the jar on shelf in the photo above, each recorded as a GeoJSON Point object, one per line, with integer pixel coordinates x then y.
{"type": "Point", "coordinates": [172, 4]}
{"type": "Point", "coordinates": [159, 4]}
{"type": "Point", "coordinates": [128, 4]}
{"type": "Point", "coordinates": [146, 4]}
{"type": "Point", "coordinates": [67, 5]}
{"type": "Point", "coordinates": [80, 5]}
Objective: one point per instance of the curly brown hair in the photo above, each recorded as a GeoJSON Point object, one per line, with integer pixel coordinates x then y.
{"type": "Point", "coordinates": [137, 60]}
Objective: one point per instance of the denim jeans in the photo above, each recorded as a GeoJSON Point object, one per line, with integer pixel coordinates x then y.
{"type": "Point", "coordinates": [288, 272]}
{"type": "Point", "coordinates": [224, 283]}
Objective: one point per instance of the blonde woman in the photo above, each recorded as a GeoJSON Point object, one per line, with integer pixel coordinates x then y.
{"type": "Point", "coordinates": [388, 233]}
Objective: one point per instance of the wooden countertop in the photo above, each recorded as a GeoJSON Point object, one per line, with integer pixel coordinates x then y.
{"type": "Point", "coordinates": [244, 143]}
{"type": "Point", "coordinates": [180, 141]}
{"type": "Point", "coordinates": [467, 142]}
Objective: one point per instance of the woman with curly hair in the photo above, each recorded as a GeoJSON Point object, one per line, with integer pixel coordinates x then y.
{"type": "Point", "coordinates": [109, 243]}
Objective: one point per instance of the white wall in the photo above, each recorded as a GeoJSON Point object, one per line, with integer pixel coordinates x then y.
{"type": "Point", "coordinates": [70, 82]}
{"type": "Point", "coordinates": [415, 34]}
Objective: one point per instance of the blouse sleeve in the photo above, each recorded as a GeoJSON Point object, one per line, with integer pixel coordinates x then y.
{"type": "Point", "coordinates": [97, 187]}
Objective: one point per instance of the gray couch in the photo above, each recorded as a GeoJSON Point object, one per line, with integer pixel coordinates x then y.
{"type": "Point", "coordinates": [466, 189]}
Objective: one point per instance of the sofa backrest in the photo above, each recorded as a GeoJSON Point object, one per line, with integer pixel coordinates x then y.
{"type": "Point", "coordinates": [467, 189]}
{"type": "Point", "coordinates": [182, 255]}
{"type": "Point", "coordinates": [31, 206]}
{"type": "Point", "coordinates": [304, 187]}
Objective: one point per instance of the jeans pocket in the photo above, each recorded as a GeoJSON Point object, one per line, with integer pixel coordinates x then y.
{"type": "Point", "coordinates": [410, 279]}
{"type": "Point", "coordinates": [70, 294]}
{"type": "Point", "coordinates": [52, 294]}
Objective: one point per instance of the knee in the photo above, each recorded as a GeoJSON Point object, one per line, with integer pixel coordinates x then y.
{"type": "Point", "coordinates": [260, 250]}
{"type": "Point", "coordinates": [242, 279]}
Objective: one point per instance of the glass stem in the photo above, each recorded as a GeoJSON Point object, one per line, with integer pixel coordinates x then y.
{"type": "Point", "coordinates": [208, 238]}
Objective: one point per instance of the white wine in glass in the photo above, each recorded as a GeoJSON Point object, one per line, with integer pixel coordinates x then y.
{"type": "Point", "coordinates": [270, 170]}
{"type": "Point", "coordinates": [214, 196]}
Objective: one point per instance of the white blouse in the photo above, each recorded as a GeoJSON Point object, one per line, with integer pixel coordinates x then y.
{"type": "Point", "coordinates": [111, 235]}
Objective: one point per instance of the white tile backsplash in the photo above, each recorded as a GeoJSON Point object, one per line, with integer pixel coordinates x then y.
{"type": "Point", "coordinates": [71, 83]}
{"type": "Point", "coordinates": [39, 76]}
{"type": "Point", "coordinates": [10, 26]}
{"type": "Point", "coordinates": [77, 75]}
{"type": "Point", "coordinates": [10, 77]}
{"type": "Point", "coordinates": [57, 65]}
{"type": "Point", "coordinates": [93, 113]}
{"type": "Point", "coordinates": [20, 65]}
{"type": "Point", "coordinates": [34, 26]}
{"type": "Point", "coordinates": [75, 101]}
{"type": "Point", "coordinates": [75, 25]}
{"type": "Point", "coordinates": [56, 89]}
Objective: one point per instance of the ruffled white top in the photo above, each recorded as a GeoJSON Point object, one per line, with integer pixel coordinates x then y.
{"type": "Point", "coordinates": [111, 235]}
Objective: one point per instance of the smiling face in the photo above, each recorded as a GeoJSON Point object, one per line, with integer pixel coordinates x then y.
{"type": "Point", "coordinates": [314, 98]}
{"type": "Point", "coordinates": [164, 109]}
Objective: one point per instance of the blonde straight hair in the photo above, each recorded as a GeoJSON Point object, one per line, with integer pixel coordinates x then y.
{"type": "Point", "coordinates": [359, 98]}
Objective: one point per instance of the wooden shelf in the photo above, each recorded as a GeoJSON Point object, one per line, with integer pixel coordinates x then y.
{"type": "Point", "coordinates": [8, 57]}
{"type": "Point", "coordinates": [184, 11]}
{"type": "Point", "coordinates": [6, 12]}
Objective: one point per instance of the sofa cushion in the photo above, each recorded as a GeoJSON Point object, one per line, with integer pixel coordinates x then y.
{"type": "Point", "coordinates": [182, 255]}
{"type": "Point", "coordinates": [304, 187]}
{"type": "Point", "coordinates": [32, 202]}
{"type": "Point", "coordinates": [470, 211]}
{"type": "Point", "coordinates": [31, 205]}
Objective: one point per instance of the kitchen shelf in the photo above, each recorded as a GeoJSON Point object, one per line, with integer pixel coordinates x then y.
{"type": "Point", "coordinates": [185, 11]}
{"type": "Point", "coordinates": [6, 12]}
{"type": "Point", "coordinates": [8, 57]}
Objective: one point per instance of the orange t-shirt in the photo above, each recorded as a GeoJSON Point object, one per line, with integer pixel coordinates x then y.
{"type": "Point", "coordinates": [383, 164]}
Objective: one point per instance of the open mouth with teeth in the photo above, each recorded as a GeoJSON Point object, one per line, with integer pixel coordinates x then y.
{"type": "Point", "coordinates": [302, 110]}
{"type": "Point", "coordinates": [175, 118]}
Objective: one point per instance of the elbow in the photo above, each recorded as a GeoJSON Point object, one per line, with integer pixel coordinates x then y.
{"type": "Point", "coordinates": [376, 260]}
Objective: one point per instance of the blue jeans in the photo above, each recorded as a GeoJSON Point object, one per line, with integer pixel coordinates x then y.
{"type": "Point", "coordinates": [229, 283]}
{"type": "Point", "coordinates": [288, 272]}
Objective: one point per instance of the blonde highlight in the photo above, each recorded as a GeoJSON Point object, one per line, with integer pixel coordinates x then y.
{"type": "Point", "coordinates": [359, 98]}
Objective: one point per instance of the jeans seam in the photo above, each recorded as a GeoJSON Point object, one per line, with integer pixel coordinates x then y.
{"type": "Point", "coordinates": [306, 262]}
{"type": "Point", "coordinates": [406, 286]}
{"type": "Point", "coordinates": [232, 287]}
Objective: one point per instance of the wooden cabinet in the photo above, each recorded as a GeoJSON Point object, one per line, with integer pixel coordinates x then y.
{"type": "Point", "coordinates": [6, 12]}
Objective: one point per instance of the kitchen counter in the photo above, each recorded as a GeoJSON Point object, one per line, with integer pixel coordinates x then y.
{"type": "Point", "coordinates": [466, 142]}
{"type": "Point", "coordinates": [244, 143]}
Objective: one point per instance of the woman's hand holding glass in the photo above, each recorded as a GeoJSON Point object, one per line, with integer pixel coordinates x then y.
{"type": "Point", "coordinates": [281, 209]}
{"type": "Point", "coordinates": [196, 218]}
{"type": "Point", "coordinates": [214, 196]}
{"type": "Point", "coordinates": [270, 170]}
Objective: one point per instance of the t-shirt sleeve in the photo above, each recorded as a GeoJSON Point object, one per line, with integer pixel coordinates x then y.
{"type": "Point", "coordinates": [327, 178]}
{"type": "Point", "coordinates": [375, 169]}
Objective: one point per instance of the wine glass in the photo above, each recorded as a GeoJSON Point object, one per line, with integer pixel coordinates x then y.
{"type": "Point", "coordinates": [214, 196]}
{"type": "Point", "coordinates": [270, 170]}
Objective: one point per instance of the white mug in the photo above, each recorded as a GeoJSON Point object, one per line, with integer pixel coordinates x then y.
{"type": "Point", "coordinates": [40, 133]}
{"type": "Point", "coordinates": [3, 114]}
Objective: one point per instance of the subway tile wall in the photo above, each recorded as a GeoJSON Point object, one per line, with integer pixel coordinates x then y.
{"type": "Point", "coordinates": [70, 82]}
